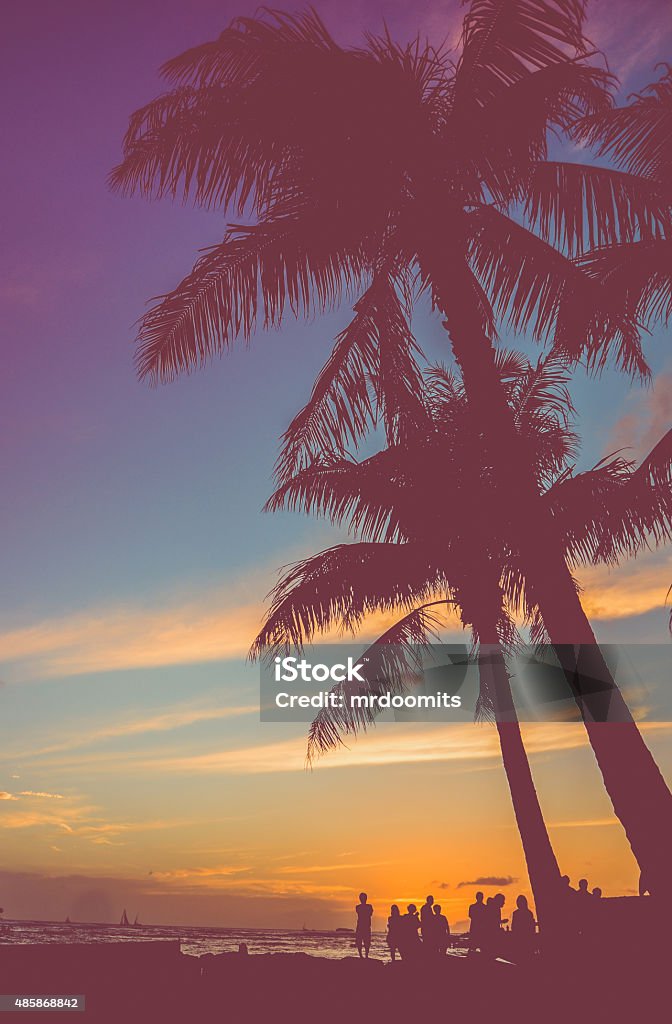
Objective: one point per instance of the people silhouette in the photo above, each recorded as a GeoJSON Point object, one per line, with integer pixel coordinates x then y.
{"type": "Point", "coordinates": [477, 912]}
{"type": "Point", "coordinates": [583, 889]}
{"type": "Point", "coordinates": [426, 920]}
{"type": "Point", "coordinates": [440, 932]}
{"type": "Point", "coordinates": [411, 945]}
{"type": "Point", "coordinates": [523, 931]}
{"type": "Point", "coordinates": [597, 892]}
{"type": "Point", "coordinates": [394, 930]}
{"type": "Point", "coordinates": [493, 922]}
{"type": "Point", "coordinates": [364, 913]}
{"type": "Point", "coordinates": [566, 886]}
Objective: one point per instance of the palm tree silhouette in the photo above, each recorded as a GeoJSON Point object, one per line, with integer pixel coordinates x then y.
{"type": "Point", "coordinates": [408, 558]}
{"type": "Point", "coordinates": [386, 170]}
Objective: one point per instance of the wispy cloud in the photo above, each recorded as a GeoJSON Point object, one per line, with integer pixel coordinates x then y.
{"type": "Point", "coordinates": [648, 415]}
{"type": "Point", "coordinates": [66, 815]}
{"type": "Point", "coordinates": [308, 869]}
{"type": "Point", "coordinates": [201, 873]}
{"type": "Point", "coordinates": [490, 880]}
{"type": "Point", "coordinates": [390, 744]}
{"type": "Point", "coordinates": [164, 721]}
{"type": "Point", "coordinates": [634, 588]}
{"type": "Point", "coordinates": [40, 795]}
{"type": "Point", "coordinates": [71, 818]}
{"type": "Point", "coordinates": [585, 823]}
{"type": "Point", "coordinates": [215, 624]}
{"type": "Point", "coordinates": [633, 36]}
{"type": "Point", "coordinates": [211, 627]}
{"type": "Point", "coordinates": [201, 630]}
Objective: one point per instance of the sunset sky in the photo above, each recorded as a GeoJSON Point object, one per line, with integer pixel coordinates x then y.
{"type": "Point", "coordinates": [134, 769]}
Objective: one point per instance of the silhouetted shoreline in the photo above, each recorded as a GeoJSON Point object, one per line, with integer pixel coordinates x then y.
{"type": "Point", "coordinates": [154, 981]}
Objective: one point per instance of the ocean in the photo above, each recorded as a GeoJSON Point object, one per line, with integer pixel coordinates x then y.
{"type": "Point", "coordinates": [195, 941]}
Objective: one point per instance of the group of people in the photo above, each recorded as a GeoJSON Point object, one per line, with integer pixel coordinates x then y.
{"type": "Point", "coordinates": [427, 932]}
{"type": "Point", "coordinates": [414, 934]}
{"type": "Point", "coordinates": [582, 918]}
{"type": "Point", "coordinates": [486, 934]}
{"type": "Point", "coordinates": [410, 935]}
{"type": "Point", "coordinates": [581, 890]}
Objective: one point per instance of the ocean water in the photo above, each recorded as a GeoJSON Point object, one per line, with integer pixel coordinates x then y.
{"type": "Point", "coordinates": [195, 941]}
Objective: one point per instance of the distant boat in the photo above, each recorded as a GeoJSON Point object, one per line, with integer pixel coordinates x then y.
{"type": "Point", "coordinates": [348, 931]}
{"type": "Point", "coordinates": [136, 923]}
{"type": "Point", "coordinates": [67, 920]}
{"type": "Point", "coordinates": [124, 923]}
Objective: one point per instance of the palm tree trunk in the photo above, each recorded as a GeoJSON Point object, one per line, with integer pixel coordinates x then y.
{"type": "Point", "coordinates": [639, 794]}
{"type": "Point", "coordinates": [542, 866]}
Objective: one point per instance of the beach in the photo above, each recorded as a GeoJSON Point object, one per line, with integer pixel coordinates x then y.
{"type": "Point", "coordinates": [154, 981]}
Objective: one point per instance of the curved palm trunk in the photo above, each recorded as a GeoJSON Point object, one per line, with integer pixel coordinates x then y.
{"type": "Point", "coordinates": [639, 794]}
{"type": "Point", "coordinates": [542, 866]}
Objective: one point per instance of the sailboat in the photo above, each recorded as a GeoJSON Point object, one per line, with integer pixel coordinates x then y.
{"type": "Point", "coordinates": [136, 923]}
{"type": "Point", "coordinates": [124, 923]}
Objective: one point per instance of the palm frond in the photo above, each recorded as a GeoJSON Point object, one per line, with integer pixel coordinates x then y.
{"type": "Point", "coordinates": [576, 206]}
{"type": "Point", "coordinates": [509, 135]}
{"type": "Point", "coordinates": [655, 469]}
{"type": "Point", "coordinates": [234, 57]}
{"type": "Point", "coordinates": [195, 142]}
{"type": "Point", "coordinates": [393, 664]}
{"type": "Point", "coordinates": [503, 41]}
{"type": "Point", "coordinates": [372, 498]}
{"type": "Point", "coordinates": [423, 64]}
{"type": "Point", "coordinates": [616, 509]}
{"type": "Point", "coordinates": [372, 373]}
{"type": "Point", "coordinates": [638, 274]}
{"type": "Point", "coordinates": [268, 264]}
{"type": "Point", "coordinates": [534, 287]}
{"type": "Point", "coordinates": [637, 137]}
{"type": "Point", "coordinates": [541, 389]}
{"type": "Point", "coordinates": [338, 587]}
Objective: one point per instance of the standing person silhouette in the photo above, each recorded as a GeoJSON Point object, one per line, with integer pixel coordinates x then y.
{"type": "Point", "coordinates": [427, 921]}
{"type": "Point", "coordinates": [567, 886]}
{"type": "Point", "coordinates": [394, 931]}
{"type": "Point", "coordinates": [411, 945]}
{"type": "Point", "coordinates": [364, 913]}
{"type": "Point", "coordinates": [523, 931]}
{"type": "Point", "coordinates": [477, 917]}
{"type": "Point", "coordinates": [440, 932]}
{"type": "Point", "coordinates": [492, 925]}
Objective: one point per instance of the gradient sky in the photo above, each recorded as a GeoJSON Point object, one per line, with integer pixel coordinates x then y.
{"type": "Point", "coordinates": [135, 561]}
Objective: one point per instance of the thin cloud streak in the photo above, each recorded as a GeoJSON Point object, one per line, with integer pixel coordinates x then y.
{"type": "Point", "coordinates": [391, 744]}
{"type": "Point", "coordinates": [343, 866]}
{"type": "Point", "coordinates": [166, 721]}
{"type": "Point", "coordinates": [629, 590]}
{"type": "Point", "coordinates": [209, 628]}
{"type": "Point", "coordinates": [587, 823]}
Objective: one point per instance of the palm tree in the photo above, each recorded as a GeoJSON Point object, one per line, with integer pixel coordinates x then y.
{"type": "Point", "coordinates": [383, 168]}
{"type": "Point", "coordinates": [405, 559]}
